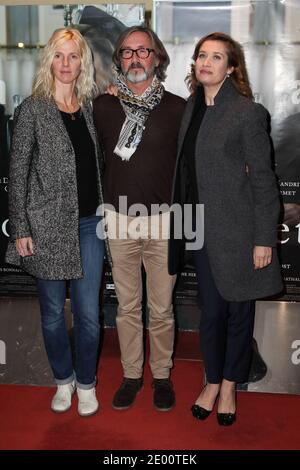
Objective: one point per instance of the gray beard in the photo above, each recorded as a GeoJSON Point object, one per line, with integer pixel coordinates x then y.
{"type": "Point", "coordinates": [136, 78]}
{"type": "Point", "coordinates": [140, 77]}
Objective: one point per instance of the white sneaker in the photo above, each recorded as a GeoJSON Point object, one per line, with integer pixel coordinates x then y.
{"type": "Point", "coordinates": [61, 401]}
{"type": "Point", "coordinates": [87, 401]}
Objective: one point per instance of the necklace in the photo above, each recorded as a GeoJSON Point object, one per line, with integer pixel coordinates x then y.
{"type": "Point", "coordinates": [71, 114]}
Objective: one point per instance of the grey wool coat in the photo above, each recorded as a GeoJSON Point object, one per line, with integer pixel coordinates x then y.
{"type": "Point", "coordinates": [239, 191]}
{"type": "Point", "coordinates": [43, 201]}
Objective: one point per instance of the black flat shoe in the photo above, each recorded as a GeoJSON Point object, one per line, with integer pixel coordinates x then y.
{"type": "Point", "coordinates": [200, 413]}
{"type": "Point", "coordinates": [226, 419]}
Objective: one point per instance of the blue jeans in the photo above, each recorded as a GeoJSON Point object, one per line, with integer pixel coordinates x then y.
{"type": "Point", "coordinates": [85, 308]}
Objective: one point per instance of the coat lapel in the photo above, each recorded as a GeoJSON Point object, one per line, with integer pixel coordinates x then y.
{"type": "Point", "coordinates": [186, 119]}
{"type": "Point", "coordinates": [90, 123]}
{"type": "Point", "coordinates": [206, 129]}
{"type": "Point", "coordinates": [214, 115]}
{"type": "Point", "coordinates": [53, 114]}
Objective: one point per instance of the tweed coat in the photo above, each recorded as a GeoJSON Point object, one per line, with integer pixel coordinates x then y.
{"type": "Point", "coordinates": [238, 189]}
{"type": "Point", "coordinates": [43, 200]}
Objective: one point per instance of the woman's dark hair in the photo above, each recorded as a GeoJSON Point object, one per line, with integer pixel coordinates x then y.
{"type": "Point", "coordinates": [236, 59]}
{"type": "Point", "coordinates": [157, 45]}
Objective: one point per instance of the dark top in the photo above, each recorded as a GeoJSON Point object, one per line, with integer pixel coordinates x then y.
{"type": "Point", "coordinates": [147, 177]}
{"type": "Point", "coordinates": [189, 145]}
{"type": "Point", "coordinates": [85, 162]}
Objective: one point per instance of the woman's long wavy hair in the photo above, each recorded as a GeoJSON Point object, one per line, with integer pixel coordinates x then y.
{"type": "Point", "coordinates": [157, 45]}
{"type": "Point", "coordinates": [236, 59]}
{"type": "Point", "coordinates": [44, 84]}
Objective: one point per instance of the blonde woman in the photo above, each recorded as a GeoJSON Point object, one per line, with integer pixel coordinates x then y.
{"type": "Point", "coordinates": [54, 191]}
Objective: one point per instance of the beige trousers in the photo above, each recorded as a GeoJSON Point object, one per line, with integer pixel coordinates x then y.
{"type": "Point", "coordinates": [137, 241]}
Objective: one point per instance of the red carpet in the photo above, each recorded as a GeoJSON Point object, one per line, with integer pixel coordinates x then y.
{"type": "Point", "coordinates": [264, 421]}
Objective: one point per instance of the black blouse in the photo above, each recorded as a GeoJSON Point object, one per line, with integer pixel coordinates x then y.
{"type": "Point", "coordinates": [85, 162]}
{"type": "Point", "coordinates": [189, 144]}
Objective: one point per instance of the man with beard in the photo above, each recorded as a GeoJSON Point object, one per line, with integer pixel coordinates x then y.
{"type": "Point", "coordinates": [138, 129]}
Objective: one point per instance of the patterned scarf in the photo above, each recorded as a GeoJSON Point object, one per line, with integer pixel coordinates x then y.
{"type": "Point", "coordinates": [137, 110]}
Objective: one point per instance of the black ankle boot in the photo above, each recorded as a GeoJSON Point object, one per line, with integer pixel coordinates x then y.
{"type": "Point", "coordinates": [126, 394]}
{"type": "Point", "coordinates": [164, 395]}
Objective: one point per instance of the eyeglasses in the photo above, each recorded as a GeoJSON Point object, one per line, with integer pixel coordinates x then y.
{"type": "Point", "coordinates": [142, 53]}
